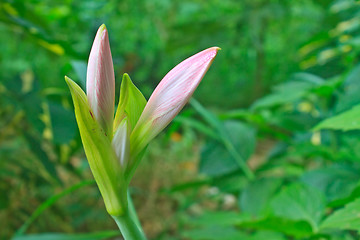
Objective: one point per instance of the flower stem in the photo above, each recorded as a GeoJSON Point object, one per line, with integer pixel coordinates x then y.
{"type": "Point", "coordinates": [129, 223]}
{"type": "Point", "coordinates": [132, 212]}
{"type": "Point", "coordinates": [129, 229]}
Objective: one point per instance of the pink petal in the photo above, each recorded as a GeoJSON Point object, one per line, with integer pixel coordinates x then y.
{"type": "Point", "coordinates": [173, 92]}
{"type": "Point", "coordinates": [100, 83]}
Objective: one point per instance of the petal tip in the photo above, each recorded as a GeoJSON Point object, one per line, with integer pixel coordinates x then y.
{"type": "Point", "coordinates": [214, 50]}
{"type": "Point", "coordinates": [102, 27]}
{"type": "Point", "coordinates": [102, 30]}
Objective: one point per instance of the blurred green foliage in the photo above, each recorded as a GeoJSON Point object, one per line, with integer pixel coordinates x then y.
{"type": "Point", "coordinates": [269, 150]}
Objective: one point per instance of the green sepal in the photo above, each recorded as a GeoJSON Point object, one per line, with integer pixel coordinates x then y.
{"type": "Point", "coordinates": [131, 103]}
{"type": "Point", "coordinates": [102, 159]}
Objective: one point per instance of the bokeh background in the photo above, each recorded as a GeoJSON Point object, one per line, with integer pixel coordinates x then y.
{"type": "Point", "coordinates": [247, 159]}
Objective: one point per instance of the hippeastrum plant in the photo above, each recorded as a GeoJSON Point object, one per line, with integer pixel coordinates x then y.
{"type": "Point", "coordinates": [115, 146]}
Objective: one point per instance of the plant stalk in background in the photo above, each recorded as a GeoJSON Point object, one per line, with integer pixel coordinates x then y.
{"type": "Point", "coordinates": [115, 146]}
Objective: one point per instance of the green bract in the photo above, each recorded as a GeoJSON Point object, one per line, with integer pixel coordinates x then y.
{"type": "Point", "coordinates": [103, 162]}
{"type": "Point", "coordinates": [131, 103]}
{"type": "Point", "coordinates": [111, 171]}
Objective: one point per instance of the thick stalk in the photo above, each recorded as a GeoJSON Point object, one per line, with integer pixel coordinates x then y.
{"type": "Point", "coordinates": [129, 229]}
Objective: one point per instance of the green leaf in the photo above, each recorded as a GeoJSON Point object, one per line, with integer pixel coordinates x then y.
{"type": "Point", "coordinates": [62, 236]}
{"type": "Point", "coordinates": [225, 137]}
{"type": "Point", "coordinates": [220, 218]}
{"type": "Point", "coordinates": [298, 229]}
{"type": "Point", "coordinates": [62, 124]}
{"type": "Point", "coordinates": [48, 203]}
{"type": "Point", "coordinates": [346, 218]}
{"type": "Point", "coordinates": [214, 233]}
{"type": "Point", "coordinates": [295, 89]}
{"type": "Point", "coordinates": [268, 235]}
{"type": "Point", "coordinates": [292, 121]}
{"type": "Point", "coordinates": [224, 157]}
{"type": "Point", "coordinates": [284, 94]}
{"type": "Point", "coordinates": [230, 183]}
{"type": "Point", "coordinates": [232, 219]}
{"type": "Point", "coordinates": [255, 197]}
{"type": "Point", "coordinates": [348, 120]}
{"type": "Point", "coordinates": [308, 78]}
{"type": "Point", "coordinates": [102, 159]}
{"type": "Point", "coordinates": [197, 125]}
{"type": "Point", "coordinates": [343, 201]}
{"type": "Point", "coordinates": [35, 145]}
{"type": "Point", "coordinates": [349, 97]}
{"type": "Point", "coordinates": [215, 160]}
{"type": "Point", "coordinates": [299, 202]}
{"type": "Point", "coordinates": [131, 103]}
{"type": "Point", "coordinates": [208, 116]}
{"type": "Point", "coordinates": [215, 225]}
{"type": "Point", "coordinates": [336, 182]}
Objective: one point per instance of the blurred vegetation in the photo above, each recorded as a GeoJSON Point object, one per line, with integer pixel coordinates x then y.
{"type": "Point", "coordinates": [268, 150]}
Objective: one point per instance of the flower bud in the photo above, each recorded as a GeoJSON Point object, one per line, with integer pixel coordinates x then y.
{"type": "Point", "coordinates": [100, 81]}
{"type": "Point", "coordinates": [169, 97]}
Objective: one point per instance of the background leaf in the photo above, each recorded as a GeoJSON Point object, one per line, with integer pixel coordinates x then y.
{"type": "Point", "coordinates": [215, 157]}
{"type": "Point", "coordinates": [336, 182]}
{"type": "Point", "coordinates": [348, 120]}
{"type": "Point", "coordinates": [299, 202]}
{"type": "Point", "coordinates": [254, 199]}
{"type": "Point", "coordinates": [345, 218]}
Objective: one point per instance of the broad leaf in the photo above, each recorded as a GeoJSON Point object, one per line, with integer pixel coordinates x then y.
{"type": "Point", "coordinates": [255, 197]}
{"type": "Point", "coordinates": [348, 120]}
{"type": "Point", "coordinates": [350, 95]}
{"type": "Point", "coordinates": [218, 158]}
{"type": "Point", "coordinates": [336, 182]}
{"type": "Point", "coordinates": [284, 94]}
{"type": "Point", "coordinates": [214, 233]}
{"type": "Point", "coordinates": [219, 218]}
{"type": "Point", "coordinates": [298, 229]}
{"type": "Point", "coordinates": [268, 235]}
{"type": "Point", "coordinates": [228, 219]}
{"type": "Point", "coordinates": [346, 218]}
{"type": "Point", "coordinates": [299, 202]}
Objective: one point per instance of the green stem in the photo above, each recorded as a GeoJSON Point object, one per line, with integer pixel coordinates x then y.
{"type": "Point", "coordinates": [239, 159]}
{"type": "Point", "coordinates": [129, 229]}
{"type": "Point", "coordinates": [132, 211]}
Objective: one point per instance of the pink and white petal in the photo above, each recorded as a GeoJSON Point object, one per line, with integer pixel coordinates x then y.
{"type": "Point", "coordinates": [121, 142]}
{"type": "Point", "coordinates": [170, 96]}
{"type": "Point", "coordinates": [100, 85]}
{"type": "Point", "coordinates": [175, 90]}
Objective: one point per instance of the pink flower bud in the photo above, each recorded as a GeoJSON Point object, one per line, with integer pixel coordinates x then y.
{"type": "Point", "coordinates": [170, 96]}
{"type": "Point", "coordinates": [100, 82]}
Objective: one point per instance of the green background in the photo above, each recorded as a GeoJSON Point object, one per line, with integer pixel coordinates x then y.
{"type": "Point", "coordinates": [268, 150]}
